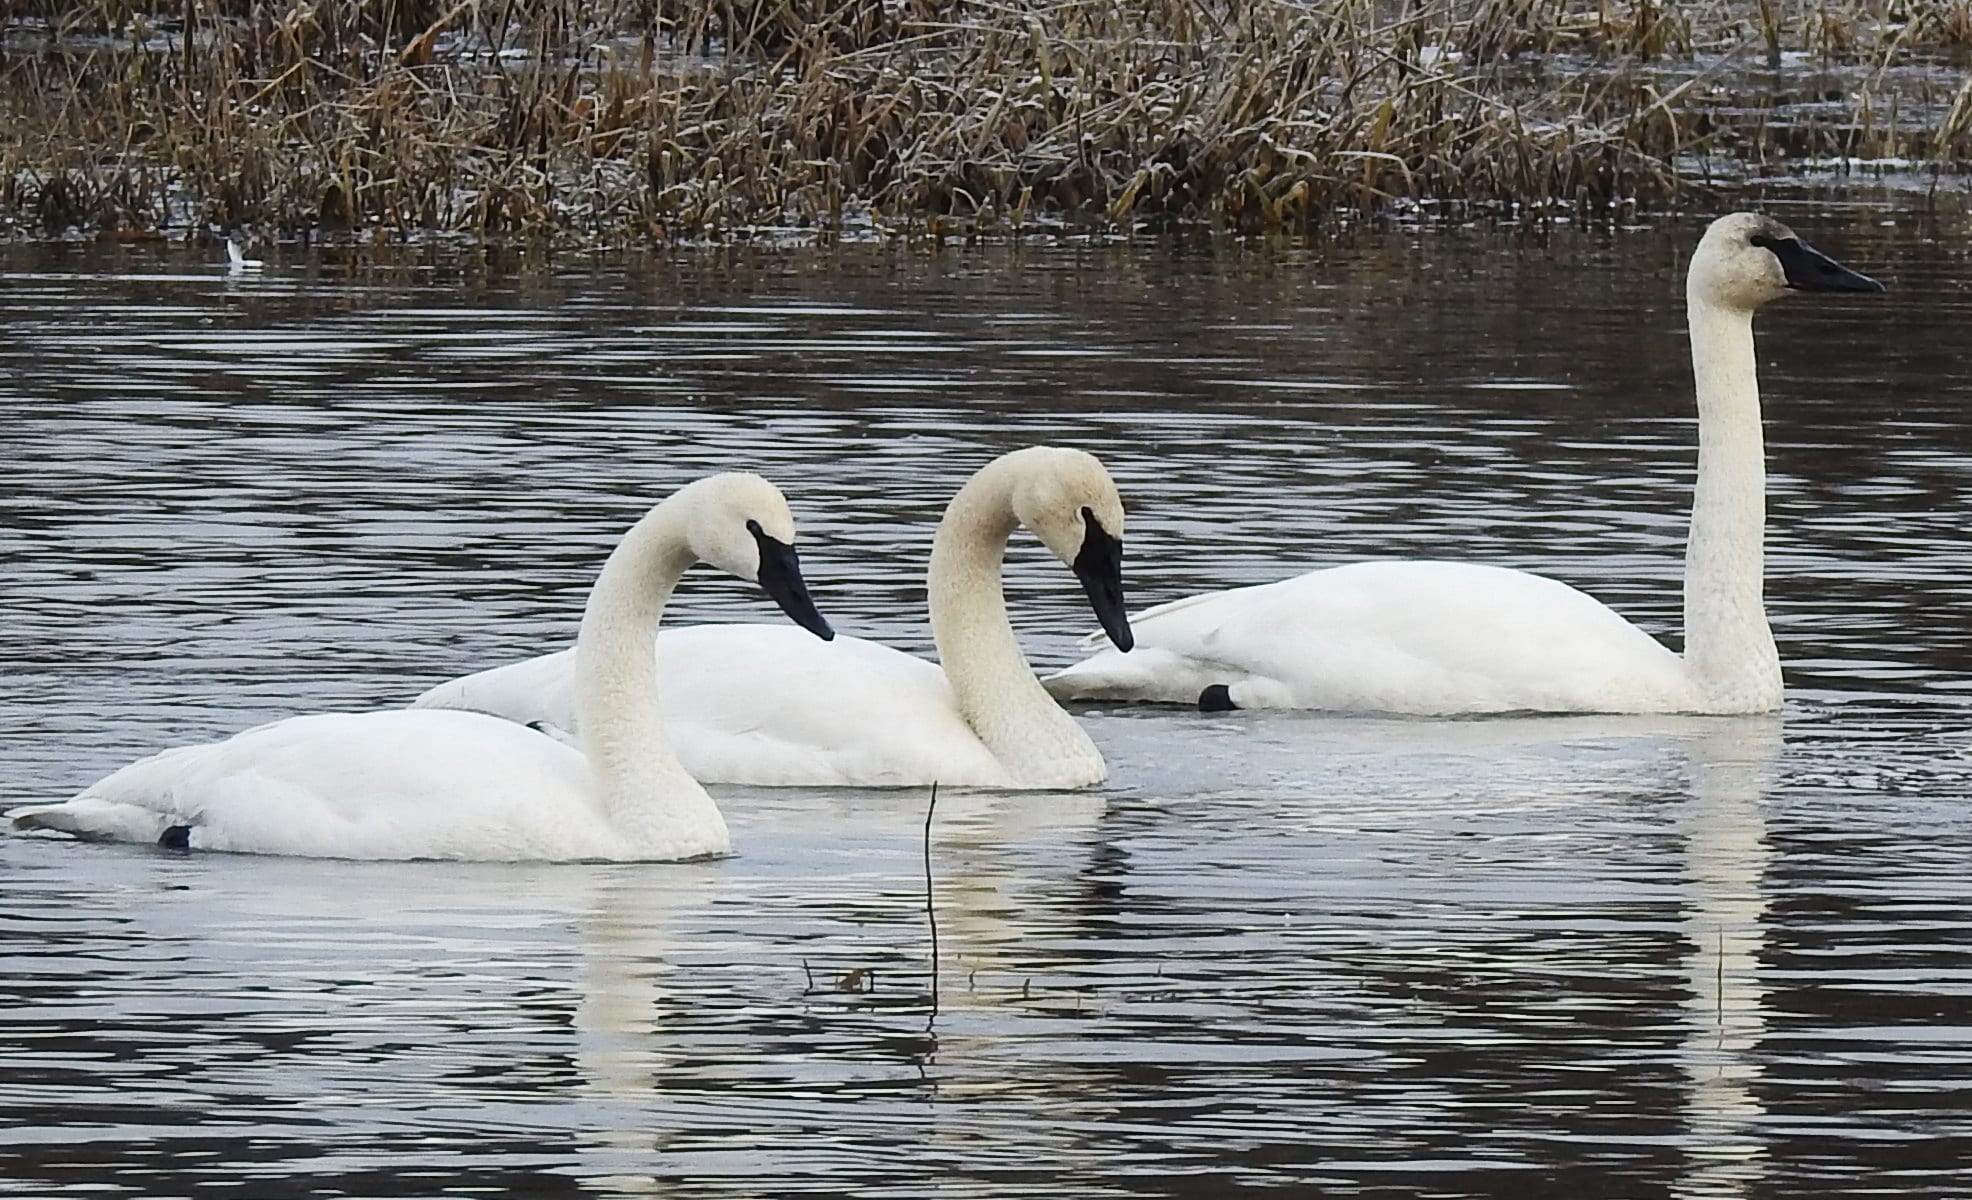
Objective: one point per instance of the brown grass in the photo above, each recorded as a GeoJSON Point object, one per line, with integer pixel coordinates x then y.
{"type": "Point", "coordinates": [625, 120]}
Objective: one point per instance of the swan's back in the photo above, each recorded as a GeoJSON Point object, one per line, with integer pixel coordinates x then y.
{"type": "Point", "coordinates": [1424, 638]}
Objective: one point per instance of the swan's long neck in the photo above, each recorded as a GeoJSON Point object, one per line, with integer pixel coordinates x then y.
{"type": "Point", "coordinates": [997, 692]}
{"type": "Point", "coordinates": [646, 794]}
{"type": "Point", "coordinates": [1729, 652]}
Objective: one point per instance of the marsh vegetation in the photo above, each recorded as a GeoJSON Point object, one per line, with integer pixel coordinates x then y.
{"type": "Point", "coordinates": [632, 120]}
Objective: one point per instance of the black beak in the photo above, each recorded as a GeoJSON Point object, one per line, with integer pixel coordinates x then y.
{"type": "Point", "coordinates": [1099, 566]}
{"type": "Point", "coordinates": [1809, 270]}
{"type": "Point", "coordinates": [780, 577]}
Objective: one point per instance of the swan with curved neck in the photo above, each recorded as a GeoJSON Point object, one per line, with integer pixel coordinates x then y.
{"type": "Point", "coordinates": [748, 704]}
{"type": "Point", "coordinates": [1445, 638]}
{"type": "Point", "coordinates": [458, 785]}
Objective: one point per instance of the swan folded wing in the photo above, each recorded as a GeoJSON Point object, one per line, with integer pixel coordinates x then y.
{"type": "Point", "coordinates": [752, 704]}
{"type": "Point", "coordinates": [1451, 638]}
{"type": "Point", "coordinates": [1424, 638]}
{"type": "Point", "coordinates": [768, 705]}
{"type": "Point", "coordinates": [765, 705]}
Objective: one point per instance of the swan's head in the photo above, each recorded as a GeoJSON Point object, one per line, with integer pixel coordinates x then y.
{"type": "Point", "coordinates": [1746, 259]}
{"type": "Point", "coordinates": [1067, 499]}
{"type": "Point", "coordinates": [740, 524]}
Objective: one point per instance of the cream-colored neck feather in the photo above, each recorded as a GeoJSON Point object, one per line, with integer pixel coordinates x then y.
{"type": "Point", "coordinates": [644, 792]}
{"type": "Point", "coordinates": [1039, 744]}
{"type": "Point", "coordinates": [1729, 653]}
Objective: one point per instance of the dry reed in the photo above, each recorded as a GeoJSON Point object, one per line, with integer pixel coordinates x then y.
{"type": "Point", "coordinates": [627, 120]}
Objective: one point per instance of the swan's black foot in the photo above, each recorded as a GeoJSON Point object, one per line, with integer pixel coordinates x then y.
{"type": "Point", "coordinates": [176, 837]}
{"type": "Point", "coordinates": [1217, 698]}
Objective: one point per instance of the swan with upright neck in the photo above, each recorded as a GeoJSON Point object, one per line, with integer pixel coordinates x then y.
{"type": "Point", "coordinates": [747, 704]}
{"type": "Point", "coordinates": [458, 785]}
{"type": "Point", "coordinates": [1448, 638]}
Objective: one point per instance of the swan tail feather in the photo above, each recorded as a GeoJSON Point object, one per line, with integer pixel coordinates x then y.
{"type": "Point", "coordinates": [564, 736]}
{"type": "Point", "coordinates": [1151, 614]}
{"type": "Point", "coordinates": [1148, 674]}
{"type": "Point", "coordinates": [95, 820]}
{"type": "Point", "coordinates": [1168, 607]}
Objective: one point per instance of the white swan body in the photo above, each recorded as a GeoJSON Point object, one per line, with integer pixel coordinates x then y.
{"type": "Point", "coordinates": [747, 704]}
{"type": "Point", "coordinates": [1376, 637]}
{"type": "Point", "coordinates": [237, 263]}
{"type": "Point", "coordinates": [458, 785]}
{"type": "Point", "coordinates": [1441, 638]}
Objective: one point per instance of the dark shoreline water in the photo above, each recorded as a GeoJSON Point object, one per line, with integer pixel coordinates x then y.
{"type": "Point", "coordinates": [1277, 954]}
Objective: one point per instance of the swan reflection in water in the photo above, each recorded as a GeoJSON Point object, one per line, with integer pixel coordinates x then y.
{"type": "Point", "coordinates": [1726, 858]}
{"type": "Point", "coordinates": [714, 1026]}
{"type": "Point", "coordinates": [1302, 947]}
{"type": "Point", "coordinates": [1072, 937]}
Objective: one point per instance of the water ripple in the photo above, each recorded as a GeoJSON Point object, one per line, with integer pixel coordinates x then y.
{"type": "Point", "coordinates": [1278, 954]}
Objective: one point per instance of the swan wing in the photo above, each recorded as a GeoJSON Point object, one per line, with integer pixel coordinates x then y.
{"type": "Point", "coordinates": [769, 705]}
{"type": "Point", "coordinates": [1425, 638]}
{"type": "Point", "coordinates": [772, 706]}
{"type": "Point", "coordinates": [384, 785]}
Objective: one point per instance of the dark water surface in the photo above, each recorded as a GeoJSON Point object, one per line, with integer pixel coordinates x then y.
{"type": "Point", "coordinates": [1276, 954]}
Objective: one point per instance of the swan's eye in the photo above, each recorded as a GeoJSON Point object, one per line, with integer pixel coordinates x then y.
{"type": "Point", "coordinates": [1764, 242]}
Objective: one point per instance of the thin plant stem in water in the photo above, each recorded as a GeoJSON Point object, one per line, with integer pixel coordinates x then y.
{"type": "Point", "coordinates": [930, 903]}
{"type": "Point", "coordinates": [1719, 990]}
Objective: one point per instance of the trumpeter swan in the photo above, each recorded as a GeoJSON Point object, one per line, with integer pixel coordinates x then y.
{"type": "Point", "coordinates": [404, 784]}
{"type": "Point", "coordinates": [746, 704]}
{"type": "Point", "coordinates": [237, 262]}
{"type": "Point", "coordinates": [1444, 638]}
